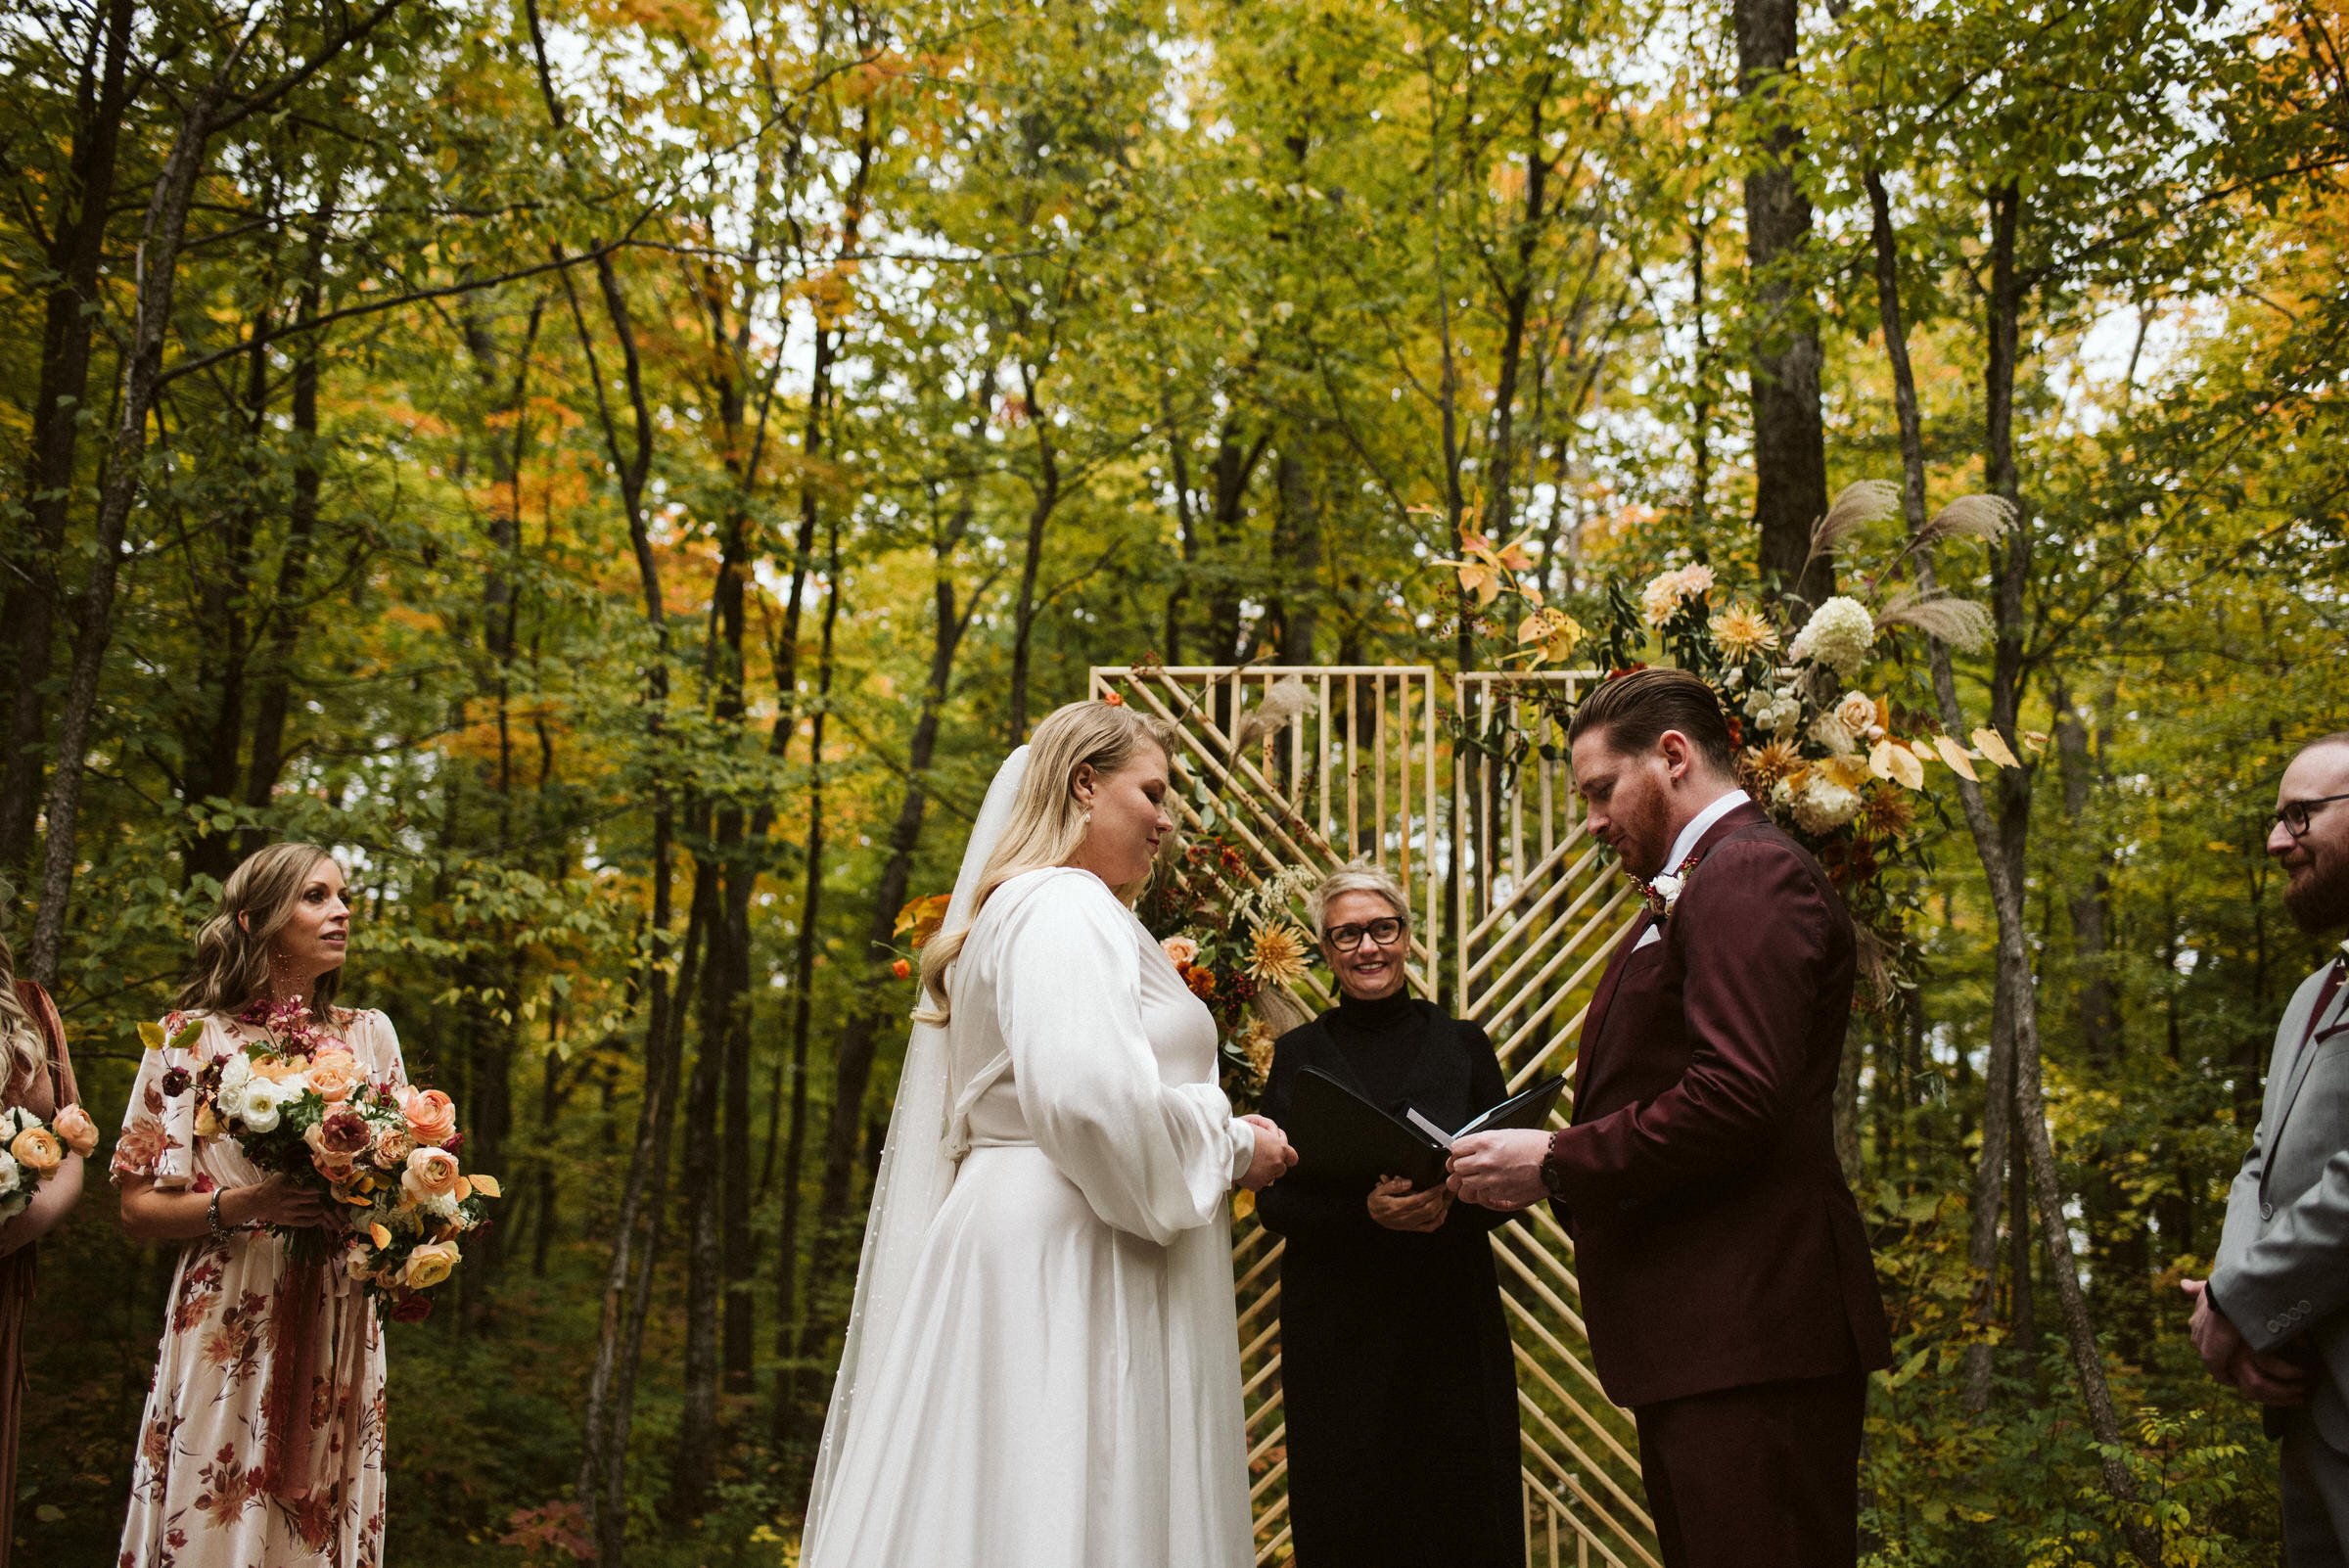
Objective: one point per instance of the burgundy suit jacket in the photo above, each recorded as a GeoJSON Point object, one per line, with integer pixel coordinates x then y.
{"type": "Point", "coordinates": [1716, 1241]}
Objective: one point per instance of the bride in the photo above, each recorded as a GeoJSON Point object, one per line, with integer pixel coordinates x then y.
{"type": "Point", "coordinates": [1041, 1368]}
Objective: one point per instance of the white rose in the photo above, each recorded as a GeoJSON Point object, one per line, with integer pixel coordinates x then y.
{"type": "Point", "coordinates": [15, 1120]}
{"type": "Point", "coordinates": [1857, 711]}
{"type": "Point", "coordinates": [263, 1100]}
{"type": "Point", "coordinates": [11, 1174]}
{"type": "Point", "coordinates": [236, 1071]}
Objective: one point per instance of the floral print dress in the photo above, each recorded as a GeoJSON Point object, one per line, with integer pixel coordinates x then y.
{"type": "Point", "coordinates": [197, 1495]}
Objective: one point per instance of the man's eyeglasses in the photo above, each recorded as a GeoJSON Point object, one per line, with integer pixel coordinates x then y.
{"type": "Point", "coordinates": [2293, 817]}
{"type": "Point", "coordinates": [1347, 938]}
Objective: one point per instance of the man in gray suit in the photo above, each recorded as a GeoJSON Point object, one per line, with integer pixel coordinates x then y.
{"type": "Point", "coordinates": [2273, 1319]}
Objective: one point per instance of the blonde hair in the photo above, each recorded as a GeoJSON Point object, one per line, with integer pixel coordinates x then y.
{"type": "Point", "coordinates": [1359, 877]}
{"type": "Point", "coordinates": [232, 950]}
{"type": "Point", "coordinates": [1047, 823]}
{"type": "Point", "coordinates": [23, 1051]}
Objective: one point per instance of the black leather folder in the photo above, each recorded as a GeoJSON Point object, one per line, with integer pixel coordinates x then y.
{"type": "Point", "coordinates": [1346, 1142]}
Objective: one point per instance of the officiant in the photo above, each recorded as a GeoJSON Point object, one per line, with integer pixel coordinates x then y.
{"type": "Point", "coordinates": [1395, 1368]}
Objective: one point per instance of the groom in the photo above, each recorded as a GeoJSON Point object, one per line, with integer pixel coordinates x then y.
{"type": "Point", "coordinates": [1727, 1282]}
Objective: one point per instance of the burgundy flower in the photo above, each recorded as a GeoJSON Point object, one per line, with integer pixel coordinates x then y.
{"type": "Point", "coordinates": [345, 1133]}
{"type": "Point", "coordinates": [413, 1307]}
{"type": "Point", "coordinates": [176, 1082]}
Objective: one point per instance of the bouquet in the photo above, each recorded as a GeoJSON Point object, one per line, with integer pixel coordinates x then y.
{"type": "Point", "coordinates": [31, 1150]}
{"type": "Point", "coordinates": [386, 1156]}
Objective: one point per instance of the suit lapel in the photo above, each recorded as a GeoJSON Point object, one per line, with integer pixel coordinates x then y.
{"type": "Point", "coordinates": [1596, 1014]}
{"type": "Point", "coordinates": [2309, 1034]}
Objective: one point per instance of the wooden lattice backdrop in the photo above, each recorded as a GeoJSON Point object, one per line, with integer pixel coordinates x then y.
{"type": "Point", "coordinates": [1445, 780]}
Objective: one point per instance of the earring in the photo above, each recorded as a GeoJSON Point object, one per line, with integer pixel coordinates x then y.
{"type": "Point", "coordinates": [1088, 816]}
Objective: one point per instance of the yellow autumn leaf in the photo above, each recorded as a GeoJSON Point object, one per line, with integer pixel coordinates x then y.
{"type": "Point", "coordinates": [1955, 755]}
{"type": "Point", "coordinates": [1890, 760]}
{"type": "Point", "coordinates": [1243, 1204]}
{"type": "Point", "coordinates": [380, 1236]}
{"type": "Point", "coordinates": [487, 1186]}
{"type": "Point", "coordinates": [152, 1036]}
{"type": "Point", "coordinates": [464, 1188]}
{"type": "Point", "coordinates": [1994, 748]}
{"type": "Point", "coordinates": [2219, 847]}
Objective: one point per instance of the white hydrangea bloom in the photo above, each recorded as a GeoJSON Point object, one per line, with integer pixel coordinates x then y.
{"type": "Point", "coordinates": [1783, 716]}
{"type": "Point", "coordinates": [1825, 804]}
{"type": "Point", "coordinates": [1839, 634]}
{"type": "Point", "coordinates": [1830, 731]}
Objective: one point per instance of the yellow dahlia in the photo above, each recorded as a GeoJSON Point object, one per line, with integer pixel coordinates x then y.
{"type": "Point", "coordinates": [1772, 763]}
{"type": "Point", "coordinates": [1885, 814]}
{"type": "Point", "coordinates": [1278, 954]}
{"type": "Point", "coordinates": [1743, 632]}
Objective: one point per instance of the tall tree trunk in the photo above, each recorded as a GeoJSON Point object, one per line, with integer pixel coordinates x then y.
{"type": "Point", "coordinates": [695, 1468]}
{"type": "Point", "coordinates": [1994, 839]}
{"type": "Point", "coordinates": [1790, 445]}
{"type": "Point", "coordinates": [789, 1308]}
{"type": "Point", "coordinates": [157, 281]}
{"type": "Point", "coordinates": [1297, 556]}
{"type": "Point", "coordinates": [852, 1059]}
{"type": "Point", "coordinates": [1045, 501]}
{"type": "Point", "coordinates": [69, 320]}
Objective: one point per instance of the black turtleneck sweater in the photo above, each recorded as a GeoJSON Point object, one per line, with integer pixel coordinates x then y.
{"type": "Point", "coordinates": [1395, 1368]}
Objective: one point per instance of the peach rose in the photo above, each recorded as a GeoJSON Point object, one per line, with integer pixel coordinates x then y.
{"type": "Point", "coordinates": [1182, 951]}
{"type": "Point", "coordinates": [429, 1264]}
{"type": "Point", "coordinates": [37, 1150]}
{"type": "Point", "coordinates": [431, 1173]}
{"type": "Point", "coordinates": [74, 1125]}
{"type": "Point", "coordinates": [392, 1148]}
{"type": "Point", "coordinates": [432, 1115]}
{"type": "Point", "coordinates": [277, 1069]}
{"type": "Point", "coordinates": [334, 1074]}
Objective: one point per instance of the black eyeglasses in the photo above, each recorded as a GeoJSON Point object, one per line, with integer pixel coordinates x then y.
{"type": "Point", "coordinates": [1347, 938]}
{"type": "Point", "coordinates": [2293, 817]}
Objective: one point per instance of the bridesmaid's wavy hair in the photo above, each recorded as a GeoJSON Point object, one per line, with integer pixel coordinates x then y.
{"type": "Point", "coordinates": [22, 1053]}
{"type": "Point", "coordinates": [1046, 823]}
{"type": "Point", "coordinates": [232, 950]}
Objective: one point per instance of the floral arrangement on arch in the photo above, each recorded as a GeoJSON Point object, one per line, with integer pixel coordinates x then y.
{"type": "Point", "coordinates": [1821, 743]}
{"type": "Point", "coordinates": [1237, 943]}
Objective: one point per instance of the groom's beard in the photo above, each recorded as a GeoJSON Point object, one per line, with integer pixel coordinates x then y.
{"type": "Point", "coordinates": [2319, 900]}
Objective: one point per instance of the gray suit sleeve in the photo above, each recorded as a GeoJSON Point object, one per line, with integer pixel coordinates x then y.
{"type": "Point", "coordinates": [2292, 1277]}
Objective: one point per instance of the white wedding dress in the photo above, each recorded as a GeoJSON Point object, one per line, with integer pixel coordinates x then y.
{"type": "Point", "coordinates": [1051, 1377]}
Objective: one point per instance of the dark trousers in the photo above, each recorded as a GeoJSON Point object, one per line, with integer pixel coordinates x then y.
{"type": "Point", "coordinates": [1764, 1476]}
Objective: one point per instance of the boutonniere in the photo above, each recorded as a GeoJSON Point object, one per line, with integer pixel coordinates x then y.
{"type": "Point", "coordinates": [1664, 892]}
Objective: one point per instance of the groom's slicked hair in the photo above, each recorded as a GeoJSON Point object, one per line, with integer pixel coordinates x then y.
{"type": "Point", "coordinates": [1631, 711]}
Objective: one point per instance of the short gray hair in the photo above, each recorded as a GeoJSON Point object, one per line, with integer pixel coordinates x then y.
{"type": "Point", "coordinates": [1359, 877]}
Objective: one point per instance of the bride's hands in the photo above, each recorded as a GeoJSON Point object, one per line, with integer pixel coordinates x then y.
{"type": "Point", "coordinates": [1274, 1155]}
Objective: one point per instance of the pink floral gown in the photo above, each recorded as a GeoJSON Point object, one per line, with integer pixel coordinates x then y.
{"type": "Point", "coordinates": [198, 1498]}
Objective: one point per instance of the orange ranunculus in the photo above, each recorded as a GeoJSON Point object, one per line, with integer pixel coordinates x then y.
{"type": "Point", "coordinates": [74, 1125]}
{"type": "Point", "coordinates": [902, 969]}
{"type": "Point", "coordinates": [333, 1074]}
{"type": "Point", "coordinates": [37, 1150]}
{"type": "Point", "coordinates": [432, 1115]}
{"type": "Point", "coordinates": [431, 1173]}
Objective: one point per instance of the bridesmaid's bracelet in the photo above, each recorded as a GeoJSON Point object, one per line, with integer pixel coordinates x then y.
{"type": "Point", "coordinates": [212, 1215]}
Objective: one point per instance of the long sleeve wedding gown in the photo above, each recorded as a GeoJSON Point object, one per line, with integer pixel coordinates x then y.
{"type": "Point", "coordinates": [1061, 1388]}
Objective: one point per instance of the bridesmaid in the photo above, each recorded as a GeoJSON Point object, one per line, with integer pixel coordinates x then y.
{"type": "Point", "coordinates": [35, 1076]}
{"type": "Point", "coordinates": [262, 1440]}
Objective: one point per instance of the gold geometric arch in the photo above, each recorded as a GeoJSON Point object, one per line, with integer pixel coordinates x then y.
{"type": "Point", "coordinates": [1457, 784]}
